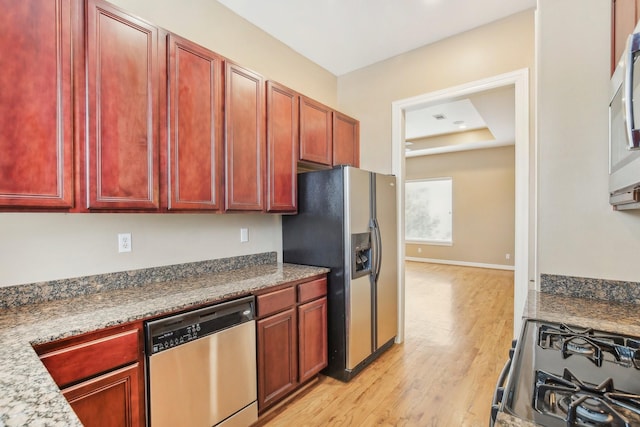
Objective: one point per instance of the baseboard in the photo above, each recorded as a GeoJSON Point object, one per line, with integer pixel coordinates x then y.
{"type": "Point", "coordinates": [462, 263]}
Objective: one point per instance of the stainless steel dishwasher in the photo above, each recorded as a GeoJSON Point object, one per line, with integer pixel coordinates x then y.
{"type": "Point", "coordinates": [202, 367]}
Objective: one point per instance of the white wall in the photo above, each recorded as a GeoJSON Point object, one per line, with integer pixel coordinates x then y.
{"type": "Point", "coordinates": [493, 49]}
{"type": "Point", "coordinates": [38, 247]}
{"type": "Point", "coordinates": [578, 232]}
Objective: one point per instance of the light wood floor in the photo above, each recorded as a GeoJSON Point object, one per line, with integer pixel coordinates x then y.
{"type": "Point", "coordinates": [458, 332]}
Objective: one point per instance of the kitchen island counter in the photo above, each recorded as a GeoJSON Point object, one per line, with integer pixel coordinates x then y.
{"type": "Point", "coordinates": [30, 396]}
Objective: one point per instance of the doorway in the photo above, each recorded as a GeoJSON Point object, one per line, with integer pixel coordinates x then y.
{"type": "Point", "coordinates": [520, 80]}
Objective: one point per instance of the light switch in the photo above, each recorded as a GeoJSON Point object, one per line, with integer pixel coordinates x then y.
{"type": "Point", "coordinates": [244, 235]}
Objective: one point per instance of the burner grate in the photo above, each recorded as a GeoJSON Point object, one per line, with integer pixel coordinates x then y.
{"type": "Point", "coordinates": [594, 345]}
{"type": "Point", "coordinates": [582, 404]}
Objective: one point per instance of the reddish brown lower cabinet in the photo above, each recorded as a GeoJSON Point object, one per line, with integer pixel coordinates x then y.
{"type": "Point", "coordinates": [312, 338]}
{"type": "Point", "coordinates": [277, 357]}
{"type": "Point", "coordinates": [36, 104]}
{"type": "Point", "coordinates": [101, 374]}
{"type": "Point", "coordinates": [110, 400]}
{"type": "Point", "coordinates": [291, 339]}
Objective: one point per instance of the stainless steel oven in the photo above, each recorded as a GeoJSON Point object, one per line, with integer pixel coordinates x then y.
{"type": "Point", "coordinates": [202, 367]}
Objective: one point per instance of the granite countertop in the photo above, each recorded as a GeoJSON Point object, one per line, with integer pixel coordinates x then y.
{"type": "Point", "coordinates": [610, 316]}
{"type": "Point", "coordinates": [30, 397]}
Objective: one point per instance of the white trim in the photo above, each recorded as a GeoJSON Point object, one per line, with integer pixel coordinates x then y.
{"type": "Point", "coordinates": [427, 242]}
{"type": "Point", "coordinates": [520, 79]}
{"type": "Point", "coordinates": [462, 263]}
{"type": "Point", "coordinates": [458, 147]}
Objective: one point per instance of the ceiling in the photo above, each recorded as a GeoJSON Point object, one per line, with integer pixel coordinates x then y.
{"type": "Point", "coordinates": [489, 117]}
{"type": "Point", "coordinates": [345, 35]}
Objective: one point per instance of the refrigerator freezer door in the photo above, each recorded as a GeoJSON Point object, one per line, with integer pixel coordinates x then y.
{"type": "Point", "coordinates": [358, 291]}
{"type": "Point", "coordinates": [387, 286]}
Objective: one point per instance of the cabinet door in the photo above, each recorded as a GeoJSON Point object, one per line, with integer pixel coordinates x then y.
{"type": "Point", "coordinates": [312, 338]}
{"type": "Point", "coordinates": [315, 132]}
{"type": "Point", "coordinates": [277, 357]}
{"type": "Point", "coordinates": [282, 148]}
{"type": "Point", "coordinates": [123, 81]}
{"type": "Point", "coordinates": [36, 164]}
{"type": "Point", "coordinates": [110, 400]}
{"type": "Point", "coordinates": [624, 16]}
{"type": "Point", "coordinates": [195, 127]}
{"type": "Point", "coordinates": [244, 132]}
{"type": "Point", "coordinates": [346, 140]}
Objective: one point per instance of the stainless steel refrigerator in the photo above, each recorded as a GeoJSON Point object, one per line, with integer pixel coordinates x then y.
{"type": "Point", "coordinates": [347, 221]}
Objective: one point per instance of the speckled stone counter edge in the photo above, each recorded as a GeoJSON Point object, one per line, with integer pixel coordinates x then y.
{"type": "Point", "coordinates": [582, 287]}
{"type": "Point", "coordinates": [595, 303]}
{"type": "Point", "coordinates": [30, 397]}
{"type": "Point", "coordinates": [34, 293]}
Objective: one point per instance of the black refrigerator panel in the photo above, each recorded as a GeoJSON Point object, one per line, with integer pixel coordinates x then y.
{"type": "Point", "coordinates": [315, 236]}
{"type": "Point", "coordinates": [335, 228]}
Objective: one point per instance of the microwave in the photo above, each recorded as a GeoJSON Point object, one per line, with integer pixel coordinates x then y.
{"type": "Point", "coordinates": [624, 129]}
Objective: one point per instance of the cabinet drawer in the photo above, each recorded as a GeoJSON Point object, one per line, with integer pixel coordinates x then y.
{"type": "Point", "coordinates": [84, 360]}
{"type": "Point", "coordinates": [312, 290]}
{"type": "Point", "coordinates": [275, 301]}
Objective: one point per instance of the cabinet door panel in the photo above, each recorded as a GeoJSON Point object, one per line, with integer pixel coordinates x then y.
{"type": "Point", "coordinates": [312, 338]}
{"type": "Point", "coordinates": [315, 132]}
{"type": "Point", "coordinates": [346, 140]}
{"type": "Point", "coordinates": [624, 16]}
{"type": "Point", "coordinates": [110, 400]}
{"type": "Point", "coordinates": [244, 148]}
{"type": "Point", "coordinates": [123, 74]}
{"type": "Point", "coordinates": [195, 126]}
{"type": "Point", "coordinates": [277, 358]}
{"type": "Point", "coordinates": [282, 148]}
{"type": "Point", "coordinates": [36, 165]}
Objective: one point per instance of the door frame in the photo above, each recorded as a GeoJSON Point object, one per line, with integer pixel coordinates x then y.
{"type": "Point", "coordinates": [520, 80]}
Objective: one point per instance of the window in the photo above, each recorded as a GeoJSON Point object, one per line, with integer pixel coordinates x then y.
{"type": "Point", "coordinates": [428, 211]}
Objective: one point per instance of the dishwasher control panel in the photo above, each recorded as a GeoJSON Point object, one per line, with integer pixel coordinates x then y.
{"type": "Point", "coordinates": [173, 338]}
{"type": "Point", "coordinates": [169, 332]}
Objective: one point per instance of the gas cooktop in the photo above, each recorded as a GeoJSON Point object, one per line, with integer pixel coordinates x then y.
{"type": "Point", "coordinates": [569, 376]}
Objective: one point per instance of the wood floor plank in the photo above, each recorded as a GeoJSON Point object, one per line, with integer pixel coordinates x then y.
{"type": "Point", "coordinates": [458, 329]}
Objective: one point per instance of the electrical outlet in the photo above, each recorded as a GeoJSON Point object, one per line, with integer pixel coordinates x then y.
{"type": "Point", "coordinates": [507, 256]}
{"type": "Point", "coordinates": [124, 242]}
{"type": "Point", "coordinates": [244, 235]}
{"type": "Point", "coordinates": [419, 250]}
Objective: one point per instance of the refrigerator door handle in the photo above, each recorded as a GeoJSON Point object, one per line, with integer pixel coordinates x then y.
{"type": "Point", "coordinates": [377, 258]}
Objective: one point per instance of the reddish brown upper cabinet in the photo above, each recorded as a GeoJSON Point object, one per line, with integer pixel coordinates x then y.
{"type": "Point", "coordinates": [346, 140]}
{"type": "Point", "coordinates": [244, 139]}
{"type": "Point", "coordinates": [193, 163]}
{"type": "Point", "coordinates": [123, 78]}
{"type": "Point", "coordinates": [315, 132]}
{"type": "Point", "coordinates": [282, 148]}
{"type": "Point", "coordinates": [36, 105]}
{"type": "Point", "coordinates": [624, 16]}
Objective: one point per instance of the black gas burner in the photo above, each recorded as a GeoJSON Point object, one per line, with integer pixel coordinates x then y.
{"type": "Point", "coordinates": [594, 345]}
{"type": "Point", "coordinates": [582, 404]}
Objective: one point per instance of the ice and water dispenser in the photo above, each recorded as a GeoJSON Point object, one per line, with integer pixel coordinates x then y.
{"type": "Point", "coordinates": [360, 254]}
